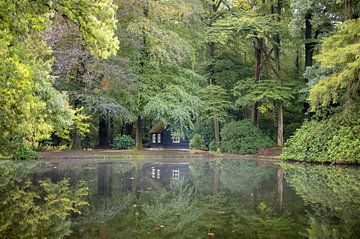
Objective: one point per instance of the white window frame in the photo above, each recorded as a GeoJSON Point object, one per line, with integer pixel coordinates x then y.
{"type": "Point", "coordinates": [153, 138]}
{"type": "Point", "coordinates": [153, 173]}
{"type": "Point", "coordinates": [176, 174]}
{"type": "Point", "coordinates": [176, 139]}
{"type": "Point", "coordinates": [158, 138]}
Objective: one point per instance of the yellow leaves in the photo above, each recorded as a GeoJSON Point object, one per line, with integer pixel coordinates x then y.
{"type": "Point", "coordinates": [265, 107]}
{"type": "Point", "coordinates": [341, 52]}
{"type": "Point", "coordinates": [262, 206]}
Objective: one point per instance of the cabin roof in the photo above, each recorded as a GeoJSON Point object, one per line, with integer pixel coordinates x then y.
{"type": "Point", "coordinates": [158, 128]}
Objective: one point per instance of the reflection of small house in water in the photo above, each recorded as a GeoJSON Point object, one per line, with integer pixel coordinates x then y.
{"type": "Point", "coordinates": [167, 172]}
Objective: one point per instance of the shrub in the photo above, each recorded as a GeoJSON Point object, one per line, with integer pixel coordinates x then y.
{"type": "Point", "coordinates": [212, 146]}
{"type": "Point", "coordinates": [197, 142]}
{"type": "Point", "coordinates": [309, 142]}
{"type": "Point", "coordinates": [336, 139]}
{"type": "Point", "coordinates": [123, 142]}
{"type": "Point", "coordinates": [24, 151]}
{"type": "Point", "coordinates": [242, 137]}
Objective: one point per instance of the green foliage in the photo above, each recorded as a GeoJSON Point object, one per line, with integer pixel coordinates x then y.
{"type": "Point", "coordinates": [24, 151]}
{"type": "Point", "coordinates": [123, 142]}
{"type": "Point", "coordinates": [212, 146]}
{"type": "Point", "coordinates": [174, 106]}
{"type": "Point", "coordinates": [266, 93]}
{"type": "Point", "coordinates": [333, 194]}
{"type": "Point", "coordinates": [30, 107]}
{"type": "Point", "coordinates": [36, 210]}
{"type": "Point", "coordinates": [242, 137]}
{"type": "Point", "coordinates": [204, 127]}
{"type": "Point", "coordinates": [179, 211]}
{"type": "Point", "coordinates": [249, 25]}
{"type": "Point", "coordinates": [216, 102]}
{"type": "Point", "coordinates": [339, 52]}
{"type": "Point", "coordinates": [335, 139]}
{"type": "Point", "coordinates": [197, 142]}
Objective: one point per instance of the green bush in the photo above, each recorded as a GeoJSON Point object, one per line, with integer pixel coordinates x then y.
{"type": "Point", "coordinates": [123, 142]}
{"type": "Point", "coordinates": [242, 137]}
{"type": "Point", "coordinates": [212, 146]}
{"type": "Point", "coordinates": [197, 142]}
{"type": "Point", "coordinates": [336, 139]}
{"type": "Point", "coordinates": [24, 151]}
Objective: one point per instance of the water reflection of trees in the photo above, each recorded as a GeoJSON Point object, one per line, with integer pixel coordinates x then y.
{"type": "Point", "coordinates": [36, 210]}
{"type": "Point", "coordinates": [195, 210]}
{"type": "Point", "coordinates": [333, 198]}
{"type": "Point", "coordinates": [182, 214]}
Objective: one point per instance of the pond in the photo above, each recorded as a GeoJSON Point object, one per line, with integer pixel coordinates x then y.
{"type": "Point", "coordinates": [195, 197]}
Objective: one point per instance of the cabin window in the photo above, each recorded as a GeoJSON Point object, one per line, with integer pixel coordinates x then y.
{"type": "Point", "coordinates": [176, 174]}
{"type": "Point", "coordinates": [154, 138]}
{"type": "Point", "coordinates": [159, 138]}
{"type": "Point", "coordinates": [153, 173]}
{"type": "Point", "coordinates": [158, 174]}
{"type": "Point", "coordinates": [176, 138]}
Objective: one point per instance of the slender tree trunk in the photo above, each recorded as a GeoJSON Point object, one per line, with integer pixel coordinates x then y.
{"type": "Point", "coordinates": [112, 128]}
{"type": "Point", "coordinates": [255, 115]}
{"type": "Point", "coordinates": [212, 79]}
{"type": "Point", "coordinates": [280, 125]}
{"type": "Point", "coordinates": [257, 53]}
{"type": "Point", "coordinates": [309, 44]}
{"type": "Point", "coordinates": [280, 113]}
{"type": "Point", "coordinates": [102, 131]}
{"type": "Point", "coordinates": [347, 9]}
{"type": "Point", "coordinates": [309, 49]}
{"type": "Point", "coordinates": [297, 62]}
{"type": "Point", "coordinates": [138, 141]}
{"type": "Point", "coordinates": [217, 132]}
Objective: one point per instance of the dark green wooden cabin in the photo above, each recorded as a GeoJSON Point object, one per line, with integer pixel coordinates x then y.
{"type": "Point", "coordinates": [162, 137]}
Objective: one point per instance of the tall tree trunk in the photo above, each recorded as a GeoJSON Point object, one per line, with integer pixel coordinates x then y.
{"type": "Point", "coordinates": [112, 128]}
{"type": "Point", "coordinates": [102, 131]}
{"type": "Point", "coordinates": [217, 132]}
{"type": "Point", "coordinates": [309, 49]}
{"type": "Point", "coordinates": [347, 9]}
{"type": "Point", "coordinates": [138, 141]}
{"type": "Point", "coordinates": [280, 124]}
{"type": "Point", "coordinates": [280, 113]}
{"type": "Point", "coordinates": [212, 79]}
{"type": "Point", "coordinates": [257, 54]}
{"type": "Point", "coordinates": [297, 62]}
{"type": "Point", "coordinates": [309, 44]}
{"type": "Point", "coordinates": [255, 115]}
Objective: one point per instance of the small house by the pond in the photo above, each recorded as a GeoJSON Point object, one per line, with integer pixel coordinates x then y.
{"type": "Point", "coordinates": [162, 137]}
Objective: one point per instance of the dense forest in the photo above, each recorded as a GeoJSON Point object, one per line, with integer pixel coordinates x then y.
{"type": "Point", "coordinates": [231, 75]}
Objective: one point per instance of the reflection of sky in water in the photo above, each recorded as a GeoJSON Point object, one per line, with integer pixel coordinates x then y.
{"type": "Point", "coordinates": [218, 198]}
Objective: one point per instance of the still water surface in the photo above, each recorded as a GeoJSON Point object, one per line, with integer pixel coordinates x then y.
{"type": "Point", "coordinates": [178, 198]}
